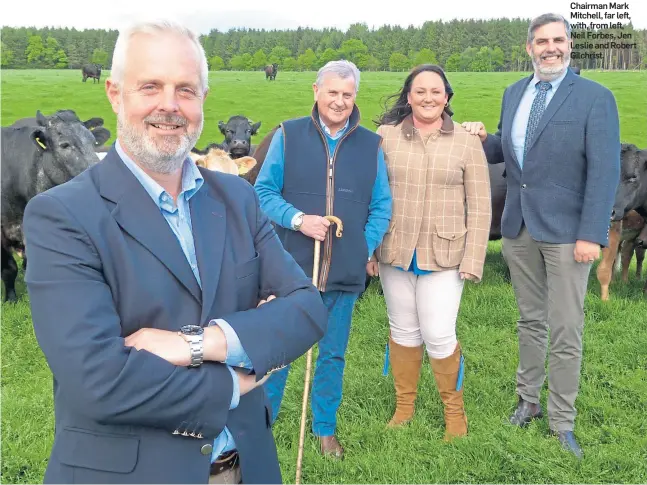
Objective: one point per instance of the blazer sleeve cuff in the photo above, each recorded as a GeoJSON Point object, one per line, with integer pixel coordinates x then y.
{"type": "Point", "coordinates": [472, 267]}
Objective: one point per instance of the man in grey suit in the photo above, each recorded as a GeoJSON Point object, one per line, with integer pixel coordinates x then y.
{"type": "Point", "coordinates": [160, 294]}
{"type": "Point", "coordinates": [559, 137]}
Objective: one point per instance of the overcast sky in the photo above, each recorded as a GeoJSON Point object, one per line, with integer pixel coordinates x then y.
{"type": "Point", "coordinates": [204, 15]}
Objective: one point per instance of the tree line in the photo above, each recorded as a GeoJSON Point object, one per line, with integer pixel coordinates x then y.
{"type": "Point", "coordinates": [457, 45]}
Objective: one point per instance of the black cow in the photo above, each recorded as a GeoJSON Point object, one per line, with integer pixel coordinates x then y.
{"type": "Point", "coordinates": [498, 190]}
{"type": "Point", "coordinates": [631, 193]}
{"type": "Point", "coordinates": [270, 71]}
{"type": "Point", "coordinates": [238, 133]}
{"type": "Point", "coordinates": [93, 71]}
{"type": "Point", "coordinates": [36, 158]}
{"type": "Point", "coordinates": [101, 135]}
{"type": "Point", "coordinates": [95, 125]}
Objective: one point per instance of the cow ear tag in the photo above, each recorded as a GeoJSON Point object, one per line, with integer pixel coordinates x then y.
{"type": "Point", "coordinates": [40, 143]}
{"type": "Point", "coordinates": [36, 136]}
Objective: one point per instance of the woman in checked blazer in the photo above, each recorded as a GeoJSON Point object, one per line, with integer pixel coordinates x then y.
{"type": "Point", "coordinates": [436, 240]}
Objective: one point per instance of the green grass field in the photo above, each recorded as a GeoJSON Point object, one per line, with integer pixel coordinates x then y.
{"type": "Point", "coordinates": [612, 405]}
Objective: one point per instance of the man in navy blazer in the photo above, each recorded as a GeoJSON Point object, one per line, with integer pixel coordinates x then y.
{"type": "Point", "coordinates": [559, 137]}
{"type": "Point", "coordinates": [160, 294]}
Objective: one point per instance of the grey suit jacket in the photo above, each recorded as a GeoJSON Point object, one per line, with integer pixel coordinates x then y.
{"type": "Point", "coordinates": [104, 263]}
{"type": "Point", "coordinates": [572, 168]}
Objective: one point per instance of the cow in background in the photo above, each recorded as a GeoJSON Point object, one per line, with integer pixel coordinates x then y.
{"type": "Point", "coordinates": [35, 158]}
{"type": "Point", "coordinates": [270, 71]}
{"type": "Point", "coordinates": [631, 193]}
{"type": "Point", "coordinates": [626, 236]}
{"type": "Point", "coordinates": [238, 133]}
{"type": "Point", "coordinates": [93, 71]}
{"type": "Point", "coordinates": [215, 158]}
{"type": "Point", "coordinates": [95, 125]}
{"type": "Point", "coordinates": [630, 203]}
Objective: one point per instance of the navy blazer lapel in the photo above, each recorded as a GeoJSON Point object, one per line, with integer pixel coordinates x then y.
{"type": "Point", "coordinates": [565, 88]}
{"type": "Point", "coordinates": [209, 221]}
{"type": "Point", "coordinates": [140, 217]}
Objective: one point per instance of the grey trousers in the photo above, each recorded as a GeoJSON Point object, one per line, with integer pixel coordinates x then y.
{"type": "Point", "coordinates": [549, 287]}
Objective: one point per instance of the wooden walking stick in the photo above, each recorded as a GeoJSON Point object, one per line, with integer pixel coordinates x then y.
{"type": "Point", "coordinates": [306, 384]}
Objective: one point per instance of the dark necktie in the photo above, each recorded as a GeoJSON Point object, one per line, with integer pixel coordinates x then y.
{"type": "Point", "coordinates": [536, 111]}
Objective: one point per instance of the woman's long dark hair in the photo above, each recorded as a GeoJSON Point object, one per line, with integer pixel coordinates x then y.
{"type": "Point", "coordinates": [401, 109]}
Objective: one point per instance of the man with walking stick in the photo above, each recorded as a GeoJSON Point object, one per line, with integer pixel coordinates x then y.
{"type": "Point", "coordinates": [321, 165]}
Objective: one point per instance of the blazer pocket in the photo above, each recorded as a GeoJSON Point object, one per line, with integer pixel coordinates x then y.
{"type": "Point", "coordinates": [573, 191]}
{"type": "Point", "coordinates": [247, 268]}
{"type": "Point", "coordinates": [98, 451]}
{"type": "Point", "coordinates": [449, 247]}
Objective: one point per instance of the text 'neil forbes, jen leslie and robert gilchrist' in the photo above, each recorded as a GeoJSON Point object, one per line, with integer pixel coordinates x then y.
{"type": "Point", "coordinates": [598, 27]}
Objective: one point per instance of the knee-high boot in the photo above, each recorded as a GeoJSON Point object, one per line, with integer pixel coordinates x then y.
{"type": "Point", "coordinates": [446, 373]}
{"type": "Point", "coordinates": [405, 366]}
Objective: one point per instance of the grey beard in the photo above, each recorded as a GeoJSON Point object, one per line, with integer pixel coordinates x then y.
{"type": "Point", "coordinates": [551, 73]}
{"type": "Point", "coordinates": [164, 159]}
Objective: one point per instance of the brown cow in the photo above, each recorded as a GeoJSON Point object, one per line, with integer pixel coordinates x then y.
{"type": "Point", "coordinates": [218, 160]}
{"type": "Point", "coordinates": [627, 249]}
{"type": "Point", "coordinates": [623, 232]}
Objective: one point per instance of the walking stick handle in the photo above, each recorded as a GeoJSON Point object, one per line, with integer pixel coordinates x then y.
{"type": "Point", "coordinates": [336, 220]}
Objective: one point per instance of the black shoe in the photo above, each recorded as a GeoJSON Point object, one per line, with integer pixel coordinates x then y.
{"type": "Point", "coordinates": [525, 412]}
{"type": "Point", "coordinates": [568, 442]}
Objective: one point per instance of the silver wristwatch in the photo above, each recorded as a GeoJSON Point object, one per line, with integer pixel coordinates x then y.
{"type": "Point", "coordinates": [298, 222]}
{"type": "Point", "coordinates": [194, 334]}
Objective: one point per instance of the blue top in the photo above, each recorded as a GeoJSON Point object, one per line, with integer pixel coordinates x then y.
{"type": "Point", "coordinates": [413, 267]}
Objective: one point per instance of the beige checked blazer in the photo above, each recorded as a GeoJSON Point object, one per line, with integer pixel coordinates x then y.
{"type": "Point", "coordinates": [441, 198]}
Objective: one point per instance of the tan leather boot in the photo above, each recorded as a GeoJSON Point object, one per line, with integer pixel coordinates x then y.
{"type": "Point", "coordinates": [405, 366]}
{"type": "Point", "coordinates": [446, 374]}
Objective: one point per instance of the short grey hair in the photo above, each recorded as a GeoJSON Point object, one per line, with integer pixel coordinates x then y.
{"type": "Point", "coordinates": [547, 18]}
{"type": "Point", "coordinates": [343, 69]}
{"type": "Point", "coordinates": [155, 27]}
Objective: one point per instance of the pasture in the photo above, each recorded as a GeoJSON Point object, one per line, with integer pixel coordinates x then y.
{"type": "Point", "coordinates": [612, 404]}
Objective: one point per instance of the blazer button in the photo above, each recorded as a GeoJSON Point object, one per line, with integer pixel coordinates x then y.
{"type": "Point", "coordinates": [523, 186]}
{"type": "Point", "coordinates": [206, 449]}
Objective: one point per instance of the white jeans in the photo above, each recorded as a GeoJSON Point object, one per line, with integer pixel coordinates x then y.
{"type": "Point", "coordinates": [423, 308]}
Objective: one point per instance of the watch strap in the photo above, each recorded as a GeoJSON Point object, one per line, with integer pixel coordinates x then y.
{"type": "Point", "coordinates": [196, 348]}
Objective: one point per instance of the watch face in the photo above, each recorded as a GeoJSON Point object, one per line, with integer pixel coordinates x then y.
{"type": "Point", "coordinates": [192, 330]}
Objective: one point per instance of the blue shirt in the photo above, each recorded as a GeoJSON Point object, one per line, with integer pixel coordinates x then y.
{"type": "Point", "coordinates": [339, 133]}
{"type": "Point", "coordinates": [179, 220]}
{"type": "Point", "coordinates": [520, 122]}
{"type": "Point", "coordinates": [413, 267]}
{"type": "Point", "coordinates": [269, 186]}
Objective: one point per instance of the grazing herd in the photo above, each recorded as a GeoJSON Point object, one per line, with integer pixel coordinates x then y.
{"type": "Point", "coordinates": [41, 152]}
